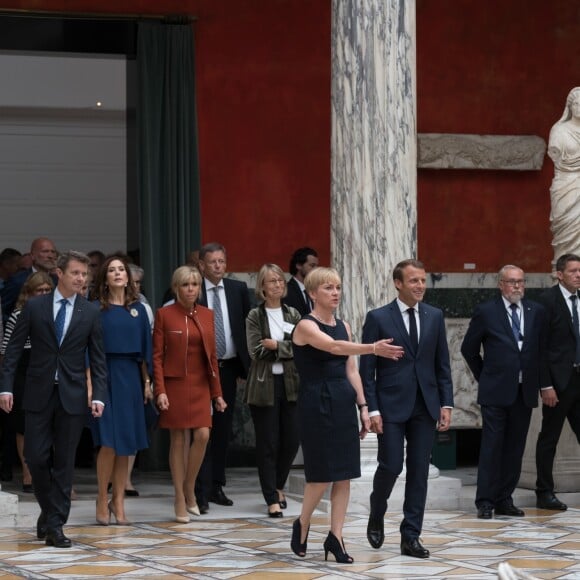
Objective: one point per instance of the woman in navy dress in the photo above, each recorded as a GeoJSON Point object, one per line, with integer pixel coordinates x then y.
{"type": "Point", "coordinates": [121, 431]}
{"type": "Point", "coordinates": [330, 391]}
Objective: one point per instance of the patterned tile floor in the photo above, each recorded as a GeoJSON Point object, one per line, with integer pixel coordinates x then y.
{"type": "Point", "coordinates": [241, 542]}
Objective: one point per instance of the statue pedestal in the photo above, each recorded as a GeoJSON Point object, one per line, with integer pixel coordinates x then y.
{"type": "Point", "coordinates": [443, 492]}
{"type": "Point", "coordinates": [566, 463]}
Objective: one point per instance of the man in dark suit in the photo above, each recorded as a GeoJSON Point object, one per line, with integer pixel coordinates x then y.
{"type": "Point", "coordinates": [303, 260]}
{"type": "Point", "coordinates": [230, 301]}
{"type": "Point", "coordinates": [511, 330]}
{"type": "Point", "coordinates": [561, 399]}
{"type": "Point", "coordinates": [408, 399]}
{"type": "Point", "coordinates": [63, 327]}
{"type": "Point", "coordinates": [43, 254]}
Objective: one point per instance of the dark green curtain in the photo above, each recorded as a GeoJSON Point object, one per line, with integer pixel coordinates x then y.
{"type": "Point", "coordinates": [167, 160]}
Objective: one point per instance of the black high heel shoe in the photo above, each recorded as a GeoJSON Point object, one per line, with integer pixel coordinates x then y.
{"type": "Point", "coordinates": [337, 549]}
{"type": "Point", "coordinates": [298, 548]}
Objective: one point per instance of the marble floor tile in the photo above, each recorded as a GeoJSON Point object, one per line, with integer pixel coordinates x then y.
{"type": "Point", "coordinates": [240, 542]}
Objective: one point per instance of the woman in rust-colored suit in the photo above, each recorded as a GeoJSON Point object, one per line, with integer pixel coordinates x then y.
{"type": "Point", "coordinates": [186, 381]}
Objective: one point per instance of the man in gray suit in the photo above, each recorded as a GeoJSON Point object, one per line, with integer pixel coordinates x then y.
{"type": "Point", "coordinates": [63, 327]}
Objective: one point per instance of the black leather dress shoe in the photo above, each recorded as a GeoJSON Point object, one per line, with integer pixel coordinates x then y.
{"type": "Point", "coordinates": [376, 532]}
{"type": "Point", "coordinates": [41, 527]}
{"type": "Point", "coordinates": [57, 539]}
{"type": "Point", "coordinates": [485, 512]}
{"type": "Point", "coordinates": [413, 548]}
{"type": "Point", "coordinates": [203, 507]}
{"type": "Point", "coordinates": [218, 496]}
{"type": "Point", "coordinates": [548, 501]}
{"type": "Point", "coordinates": [509, 510]}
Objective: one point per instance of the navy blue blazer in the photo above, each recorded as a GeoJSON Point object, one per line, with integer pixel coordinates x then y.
{"type": "Point", "coordinates": [238, 300]}
{"type": "Point", "coordinates": [497, 369]}
{"type": "Point", "coordinates": [83, 335]}
{"type": "Point", "coordinates": [390, 386]}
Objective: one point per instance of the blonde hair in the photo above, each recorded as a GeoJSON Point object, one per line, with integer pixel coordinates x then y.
{"type": "Point", "coordinates": [34, 281]}
{"type": "Point", "coordinates": [262, 275]}
{"type": "Point", "coordinates": [319, 276]}
{"type": "Point", "coordinates": [183, 274]}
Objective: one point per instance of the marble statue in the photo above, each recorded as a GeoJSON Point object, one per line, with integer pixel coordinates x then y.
{"type": "Point", "coordinates": [564, 150]}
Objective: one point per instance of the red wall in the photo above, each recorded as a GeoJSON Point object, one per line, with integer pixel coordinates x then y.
{"type": "Point", "coordinates": [263, 85]}
{"type": "Point", "coordinates": [492, 67]}
{"type": "Point", "coordinates": [263, 80]}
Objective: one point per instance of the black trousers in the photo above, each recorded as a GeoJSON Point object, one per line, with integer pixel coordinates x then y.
{"type": "Point", "coordinates": [50, 444]}
{"type": "Point", "coordinates": [277, 441]}
{"type": "Point", "coordinates": [213, 468]}
{"type": "Point", "coordinates": [553, 419]}
{"type": "Point", "coordinates": [503, 440]}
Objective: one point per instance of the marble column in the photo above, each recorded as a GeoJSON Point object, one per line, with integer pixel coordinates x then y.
{"type": "Point", "coordinates": [374, 162]}
{"type": "Point", "coordinates": [374, 149]}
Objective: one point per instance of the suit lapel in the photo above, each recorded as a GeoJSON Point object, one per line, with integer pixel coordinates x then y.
{"type": "Point", "coordinates": [48, 315]}
{"type": "Point", "coordinates": [424, 324]}
{"type": "Point", "coordinates": [529, 320]}
{"type": "Point", "coordinates": [75, 317]}
{"type": "Point", "coordinates": [203, 298]}
{"type": "Point", "coordinates": [561, 301]}
{"type": "Point", "coordinates": [231, 300]}
{"type": "Point", "coordinates": [397, 318]}
{"type": "Point", "coordinates": [505, 323]}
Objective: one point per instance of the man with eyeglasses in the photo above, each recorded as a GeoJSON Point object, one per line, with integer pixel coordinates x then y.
{"type": "Point", "coordinates": [561, 399]}
{"type": "Point", "coordinates": [510, 373]}
{"type": "Point", "coordinates": [230, 301]}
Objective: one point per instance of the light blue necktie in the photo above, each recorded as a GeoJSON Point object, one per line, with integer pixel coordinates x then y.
{"type": "Point", "coordinates": [59, 320]}
{"type": "Point", "coordinates": [516, 327]}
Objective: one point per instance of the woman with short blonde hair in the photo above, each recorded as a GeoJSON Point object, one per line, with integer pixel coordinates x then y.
{"type": "Point", "coordinates": [330, 392]}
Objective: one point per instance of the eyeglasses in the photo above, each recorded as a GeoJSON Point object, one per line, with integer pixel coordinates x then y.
{"type": "Point", "coordinates": [43, 290]}
{"type": "Point", "coordinates": [276, 281]}
{"type": "Point", "coordinates": [514, 283]}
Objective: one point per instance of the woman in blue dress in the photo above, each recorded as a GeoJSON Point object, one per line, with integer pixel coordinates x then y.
{"type": "Point", "coordinates": [121, 431]}
{"type": "Point", "coordinates": [330, 391]}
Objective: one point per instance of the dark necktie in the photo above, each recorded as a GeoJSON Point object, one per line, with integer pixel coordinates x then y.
{"type": "Point", "coordinates": [59, 320]}
{"type": "Point", "coordinates": [413, 334]}
{"type": "Point", "coordinates": [516, 327]}
{"type": "Point", "coordinates": [574, 299]}
{"type": "Point", "coordinates": [220, 333]}
{"type": "Point", "coordinates": [307, 300]}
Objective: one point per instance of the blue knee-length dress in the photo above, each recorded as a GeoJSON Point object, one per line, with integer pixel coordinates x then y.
{"type": "Point", "coordinates": [327, 412]}
{"type": "Point", "coordinates": [127, 341]}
